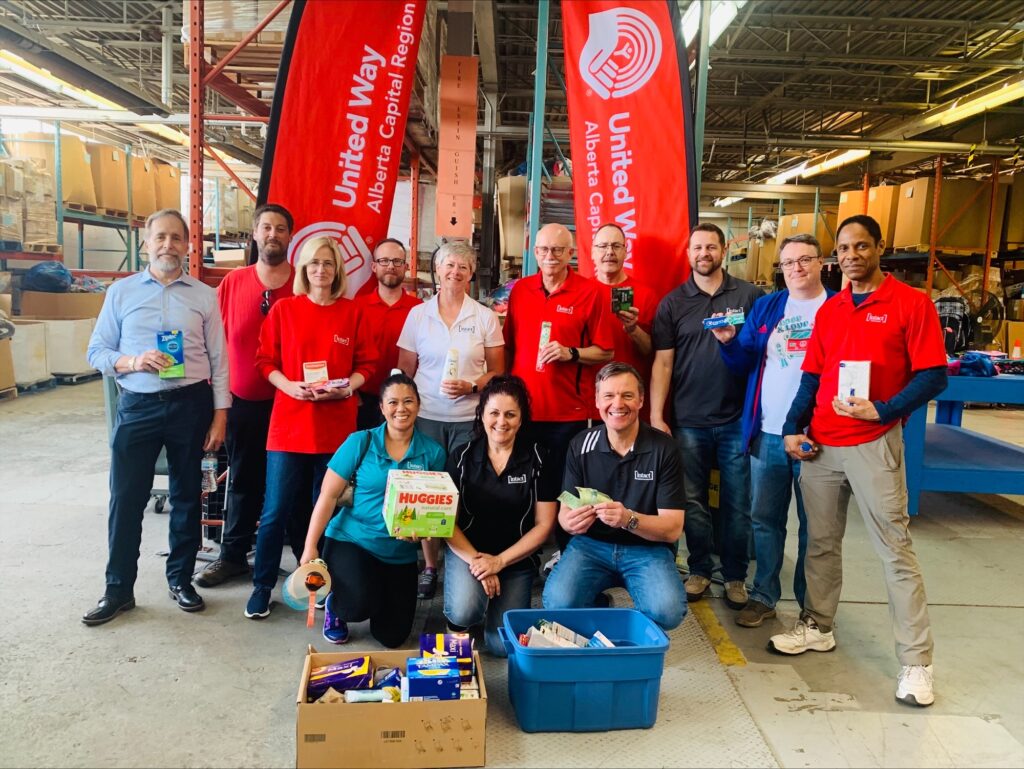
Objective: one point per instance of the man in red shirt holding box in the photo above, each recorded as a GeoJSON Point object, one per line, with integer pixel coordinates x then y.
{"type": "Point", "coordinates": [245, 297]}
{"type": "Point", "coordinates": [891, 333]}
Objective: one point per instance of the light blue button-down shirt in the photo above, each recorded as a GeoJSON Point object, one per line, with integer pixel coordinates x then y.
{"type": "Point", "coordinates": [137, 308]}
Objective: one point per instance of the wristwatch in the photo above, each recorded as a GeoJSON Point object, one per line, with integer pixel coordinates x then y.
{"type": "Point", "coordinates": [634, 521]}
{"type": "Point", "coordinates": [475, 388]}
{"type": "Point", "coordinates": [574, 353]}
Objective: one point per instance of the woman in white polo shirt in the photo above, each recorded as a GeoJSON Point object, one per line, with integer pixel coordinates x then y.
{"type": "Point", "coordinates": [451, 323]}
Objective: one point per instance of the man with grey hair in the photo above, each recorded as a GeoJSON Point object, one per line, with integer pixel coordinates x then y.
{"type": "Point", "coordinates": [160, 334]}
{"type": "Point", "coordinates": [769, 350]}
{"type": "Point", "coordinates": [628, 539]}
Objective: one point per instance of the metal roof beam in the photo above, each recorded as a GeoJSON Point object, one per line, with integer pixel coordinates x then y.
{"type": "Point", "coordinates": [721, 55]}
{"type": "Point", "coordinates": [834, 21]}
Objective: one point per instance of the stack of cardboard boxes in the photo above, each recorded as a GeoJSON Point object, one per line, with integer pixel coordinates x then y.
{"type": "Point", "coordinates": [963, 217]}
{"type": "Point", "coordinates": [52, 335]}
{"type": "Point", "coordinates": [12, 190]}
{"type": "Point", "coordinates": [39, 213]}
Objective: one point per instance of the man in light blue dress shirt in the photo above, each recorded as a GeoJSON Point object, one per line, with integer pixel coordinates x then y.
{"type": "Point", "coordinates": [160, 334]}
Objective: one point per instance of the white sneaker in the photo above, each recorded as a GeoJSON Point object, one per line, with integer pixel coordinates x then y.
{"type": "Point", "coordinates": [914, 685]}
{"type": "Point", "coordinates": [551, 562]}
{"type": "Point", "coordinates": [805, 636]}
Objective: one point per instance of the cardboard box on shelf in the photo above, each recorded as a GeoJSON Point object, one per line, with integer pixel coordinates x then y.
{"type": "Point", "coordinates": [110, 177]}
{"type": "Point", "coordinates": [5, 304]}
{"type": "Point", "coordinates": [76, 177]}
{"type": "Point", "coordinates": [66, 345]}
{"type": "Point", "coordinates": [38, 208]}
{"type": "Point", "coordinates": [761, 258]}
{"type": "Point", "coordinates": [823, 228]}
{"type": "Point", "coordinates": [12, 227]}
{"type": "Point", "coordinates": [966, 233]}
{"type": "Point", "coordinates": [392, 735]}
{"type": "Point", "coordinates": [40, 304]}
{"type": "Point", "coordinates": [168, 186]}
{"type": "Point", "coordinates": [1013, 232]}
{"type": "Point", "coordinates": [882, 205]}
{"type": "Point", "coordinates": [28, 348]}
{"type": "Point", "coordinates": [12, 183]}
{"type": "Point", "coordinates": [1014, 309]}
{"type": "Point", "coordinates": [1013, 331]}
{"type": "Point", "coordinates": [143, 187]}
{"type": "Point", "coordinates": [230, 257]}
{"type": "Point", "coordinates": [851, 203]}
{"type": "Point", "coordinates": [512, 215]}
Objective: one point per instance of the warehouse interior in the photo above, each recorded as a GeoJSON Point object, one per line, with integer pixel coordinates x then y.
{"type": "Point", "coordinates": [807, 112]}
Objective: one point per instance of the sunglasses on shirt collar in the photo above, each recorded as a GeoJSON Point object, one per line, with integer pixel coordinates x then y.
{"type": "Point", "coordinates": [265, 304]}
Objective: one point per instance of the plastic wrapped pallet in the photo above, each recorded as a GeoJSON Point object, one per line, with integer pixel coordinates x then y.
{"type": "Point", "coordinates": [39, 213]}
{"type": "Point", "coordinates": [231, 20]}
{"type": "Point", "coordinates": [77, 188]}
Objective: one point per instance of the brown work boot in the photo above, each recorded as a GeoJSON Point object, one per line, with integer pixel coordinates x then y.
{"type": "Point", "coordinates": [754, 613]}
{"type": "Point", "coordinates": [735, 594]}
{"type": "Point", "coordinates": [696, 586]}
{"type": "Point", "coordinates": [219, 572]}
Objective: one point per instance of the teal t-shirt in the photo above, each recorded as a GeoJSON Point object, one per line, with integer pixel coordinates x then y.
{"type": "Point", "coordinates": [363, 523]}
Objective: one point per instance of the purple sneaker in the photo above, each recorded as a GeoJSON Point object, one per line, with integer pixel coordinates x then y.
{"type": "Point", "coordinates": [335, 629]}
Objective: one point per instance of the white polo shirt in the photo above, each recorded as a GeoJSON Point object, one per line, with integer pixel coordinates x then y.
{"type": "Point", "coordinates": [425, 334]}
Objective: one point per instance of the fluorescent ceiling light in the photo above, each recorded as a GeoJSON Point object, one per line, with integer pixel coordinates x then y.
{"type": "Point", "coordinates": [723, 202]}
{"type": "Point", "coordinates": [722, 14]}
{"type": "Point", "coordinates": [833, 160]}
{"type": "Point", "coordinates": [785, 176]}
{"type": "Point", "coordinates": [993, 96]}
{"type": "Point", "coordinates": [13, 63]}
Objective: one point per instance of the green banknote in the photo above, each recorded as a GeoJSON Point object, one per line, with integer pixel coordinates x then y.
{"type": "Point", "coordinates": [569, 500]}
{"type": "Point", "coordinates": [591, 496]}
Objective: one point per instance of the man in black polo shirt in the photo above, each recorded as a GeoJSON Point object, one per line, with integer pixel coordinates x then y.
{"type": "Point", "coordinates": [630, 540]}
{"type": "Point", "coordinates": [707, 405]}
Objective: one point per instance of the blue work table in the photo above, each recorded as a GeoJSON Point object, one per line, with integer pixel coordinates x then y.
{"type": "Point", "coordinates": [944, 456]}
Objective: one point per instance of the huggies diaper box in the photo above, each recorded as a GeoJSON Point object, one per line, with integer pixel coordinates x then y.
{"type": "Point", "coordinates": [420, 503]}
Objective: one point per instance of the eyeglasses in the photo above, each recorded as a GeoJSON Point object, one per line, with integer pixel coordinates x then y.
{"type": "Point", "coordinates": [326, 266]}
{"type": "Point", "coordinates": [265, 304]}
{"type": "Point", "coordinates": [616, 247]}
{"type": "Point", "coordinates": [553, 250]}
{"type": "Point", "coordinates": [803, 261]}
{"type": "Point", "coordinates": [390, 262]}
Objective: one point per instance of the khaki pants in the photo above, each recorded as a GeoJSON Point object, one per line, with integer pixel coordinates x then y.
{"type": "Point", "coordinates": [875, 474]}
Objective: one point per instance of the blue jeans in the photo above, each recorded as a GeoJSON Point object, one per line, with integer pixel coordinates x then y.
{"type": "Point", "coordinates": [648, 572]}
{"type": "Point", "coordinates": [701, 445]}
{"type": "Point", "coordinates": [293, 485]}
{"type": "Point", "coordinates": [466, 603]}
{"type": "Point", "coordinates": [774, 480]}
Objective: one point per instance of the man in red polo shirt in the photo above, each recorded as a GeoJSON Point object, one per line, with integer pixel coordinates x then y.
{"type": "Point", "coordinates": [386, 308]}
{"type": "Point", "coordinates": [574, 315]}
{"type": "Point", "coordinates": [876, 354]}
{"type": "Point", "coordinates": [245, 296]}
{"type": "Point", "coordinates": [631, 329]}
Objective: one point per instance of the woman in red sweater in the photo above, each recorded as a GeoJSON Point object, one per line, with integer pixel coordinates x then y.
{"type": "Point", "coordinates": [317, 334]}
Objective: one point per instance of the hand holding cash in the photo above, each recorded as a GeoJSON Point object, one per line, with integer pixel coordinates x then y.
{"type": "Point", "coordinates": [580, 515]}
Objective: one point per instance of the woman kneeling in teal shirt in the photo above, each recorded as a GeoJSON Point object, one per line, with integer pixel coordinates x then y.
{"type": "Point", "coordinates": [373, 575]}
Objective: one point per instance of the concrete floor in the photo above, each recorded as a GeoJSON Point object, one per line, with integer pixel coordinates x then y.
{"type": "Point", "coordinates": [158, 687]}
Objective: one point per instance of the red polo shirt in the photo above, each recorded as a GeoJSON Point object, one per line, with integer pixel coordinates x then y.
{"type": "Point", "coordinates": [625, 350]}
{"type": "Point", "coordinates": [896, 328]}
{"type": "Point", "coordinates": [386, 323]}
{"type": "Point", "coordinates": [580, 315]}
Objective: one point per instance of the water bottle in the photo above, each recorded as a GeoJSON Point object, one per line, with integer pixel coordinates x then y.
{"type": "Point", "coordinates": [209, 468]}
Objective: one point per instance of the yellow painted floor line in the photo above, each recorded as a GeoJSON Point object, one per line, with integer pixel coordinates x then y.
{"type": "Point", "coordinates": [728, 653]}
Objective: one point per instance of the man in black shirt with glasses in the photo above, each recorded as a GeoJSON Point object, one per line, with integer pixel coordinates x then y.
{"type": "Point", "coordinates": [245, 296]}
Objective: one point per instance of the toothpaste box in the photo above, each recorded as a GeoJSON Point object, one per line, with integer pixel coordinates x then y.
{"type": "Point", "coordinates": [433, 678]}
{"type": "Point", "coordinates": [420, 503]}
{"type": "Point", "coordinates": [457, 645]}
{"type": "Point", "coordinates": [352, 674]}
{"type": "Point", "coordinates": [854, 378]}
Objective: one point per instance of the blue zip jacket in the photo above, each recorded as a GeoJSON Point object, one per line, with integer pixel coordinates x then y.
{"type": "Point", "coordinates": [747, 352]}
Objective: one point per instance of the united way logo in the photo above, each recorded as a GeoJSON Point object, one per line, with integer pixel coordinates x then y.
{"type": "Point", "coordinates": [623, 50]}
{"type": "Point", "coordinates": [354, 250]}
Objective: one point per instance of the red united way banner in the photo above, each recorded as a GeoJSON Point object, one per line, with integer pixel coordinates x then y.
{"type": "Point", "coordinates": [338, 122]}
{"type": "Point", "coordinates": [631, 133]}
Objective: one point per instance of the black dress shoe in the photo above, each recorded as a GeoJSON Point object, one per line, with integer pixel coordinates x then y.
{"type": "Point", "coordinates": [187, 597]}
{"type": "Point", "coordinates": [108, 608]}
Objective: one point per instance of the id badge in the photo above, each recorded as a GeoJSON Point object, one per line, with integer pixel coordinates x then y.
{"type": "Point", "coordinates": [172, 344]}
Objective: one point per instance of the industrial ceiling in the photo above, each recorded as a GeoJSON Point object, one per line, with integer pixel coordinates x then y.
{"type": "Point", "coordinates": [788, 80]}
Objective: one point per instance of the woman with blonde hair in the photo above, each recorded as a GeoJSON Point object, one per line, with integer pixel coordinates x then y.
{"type": "Point", "coordinates": [307, 344]}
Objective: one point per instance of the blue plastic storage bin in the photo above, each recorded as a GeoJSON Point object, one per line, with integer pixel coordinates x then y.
{"type": "Point", "coordinates": [586, 690]}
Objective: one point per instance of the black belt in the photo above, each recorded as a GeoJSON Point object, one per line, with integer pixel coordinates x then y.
{"type": "Point", "coordinates": [173, 394]}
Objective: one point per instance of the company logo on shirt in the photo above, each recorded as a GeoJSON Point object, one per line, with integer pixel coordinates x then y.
{"type": "Point", "coordinates": [638, 476]}
{"type": "Point", "coordinates": [341, 340]}
{"type": "Point", "coordinates": [876, 318]}
{"type": "Point", "coordinates": [414, 466]}
{"type": "Point", "coordinates": [464, 329]}
{"type": "Point", "coordinates": [517, 479]}
{"type": "Point", "coordinates": [566, 310]}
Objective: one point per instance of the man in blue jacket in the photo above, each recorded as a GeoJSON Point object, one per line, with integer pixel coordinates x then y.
{"type": "Point", "coordinates": [769, 349]}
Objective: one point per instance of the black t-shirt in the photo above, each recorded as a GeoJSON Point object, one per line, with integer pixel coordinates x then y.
{"type": "Point", "coordinates": [649, 477]}
{"type": "Point", "coordinates": [495, 511]}
{"type": "Point", "coordinates": [705, 392]}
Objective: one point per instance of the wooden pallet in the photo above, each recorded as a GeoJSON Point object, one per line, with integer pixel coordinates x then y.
{"type": "Point", "coordinates": [84, 207]}
{"type": "Point", "coordinates": [9, 394]}
{"type": "Point", "coordinates": [114, 212]}
{"type": "Point", "coordinates": [43, 248]}
{"type": "Point", "coordinates": [74, 379]}
{"type": "Point", "coordinates": [41, 386]}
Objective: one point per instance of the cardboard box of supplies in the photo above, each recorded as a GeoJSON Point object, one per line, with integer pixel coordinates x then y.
{"type": "Point", "coordinates": [41, 304]}
{"type": "Point", "coordinates": [6, 368]}
{"type": "Point", "coordinates": [66, 344]}
{"type": "Point", "coordinates": [420, 503]}
{"type": "Point", "coordinates": [28, 348]}
{"type": "Point", "coordinates": [402, 735]}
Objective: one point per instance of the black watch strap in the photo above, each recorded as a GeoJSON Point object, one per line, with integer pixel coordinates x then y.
{"type": "Point", "coordinates": [475, 388]}
{"type": "Point", "coordinates": [575, 353]}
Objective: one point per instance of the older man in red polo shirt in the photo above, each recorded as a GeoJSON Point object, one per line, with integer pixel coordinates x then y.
{"type": "Point", "coordinates": [387, 307]}
{"type": "Point", "coordinates": [572, 314]}
{"type": "Point", "coordinates": [890, 333]}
